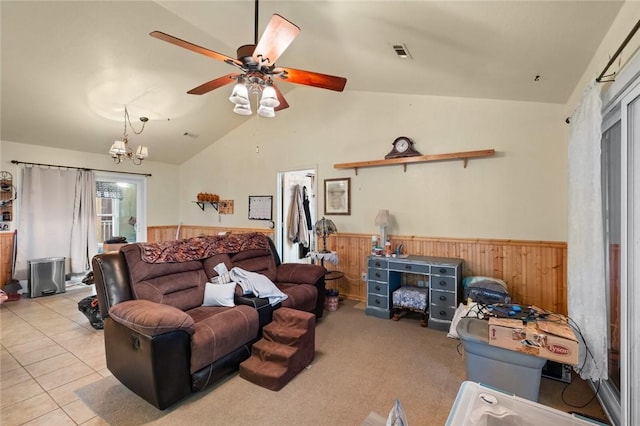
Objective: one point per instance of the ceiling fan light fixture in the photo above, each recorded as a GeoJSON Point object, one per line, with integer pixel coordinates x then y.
{"type": "Point", "coordinates": [269, 97]}
{"type": "Point", "coordinates": [240, 94]}
{"type": "Point", "coordinates": [267, 112]}
{"type": "Point", "coordinates": [242, 109]}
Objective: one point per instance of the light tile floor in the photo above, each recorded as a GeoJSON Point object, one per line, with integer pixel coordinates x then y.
{"type": "Point", "coordinates": [48, 349]}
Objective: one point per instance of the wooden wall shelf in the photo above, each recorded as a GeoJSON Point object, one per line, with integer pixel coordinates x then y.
{"type": "Point", "coordinates": [464, 156]}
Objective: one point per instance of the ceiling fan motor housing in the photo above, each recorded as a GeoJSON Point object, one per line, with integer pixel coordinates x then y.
{"type": "Point", "coordinates": [245, 54]}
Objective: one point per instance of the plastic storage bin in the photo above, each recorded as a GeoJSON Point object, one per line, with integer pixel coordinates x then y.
{"type": "Point", "coordinates": [46, 276]}
{"type": "Point", "coordinates": [502, 368]}
{"type": "Point", "coordinates": [479, 405]}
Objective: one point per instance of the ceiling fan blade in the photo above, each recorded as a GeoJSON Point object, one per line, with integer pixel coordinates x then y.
{"type": "Point", "coordinates": [276, 38]}
{"type": "Point", "coordinates": [283, 101]}
{"type": "Point", "coordinates": [309, 78]}
{"type": "Point", "coordinates": [193, 47]}
{"type": "Point", "coordinates": [213, 84]}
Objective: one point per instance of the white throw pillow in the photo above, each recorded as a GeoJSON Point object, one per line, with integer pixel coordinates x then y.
{"type": "Point", "coordinates": [219, 294]}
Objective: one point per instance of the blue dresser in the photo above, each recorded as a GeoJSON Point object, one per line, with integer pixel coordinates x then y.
{"type": "Point", "coordinates": [442, 275]}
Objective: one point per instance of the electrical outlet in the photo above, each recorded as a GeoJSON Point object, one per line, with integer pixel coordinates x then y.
{"type": "Point", "coordinates": [364, 276]}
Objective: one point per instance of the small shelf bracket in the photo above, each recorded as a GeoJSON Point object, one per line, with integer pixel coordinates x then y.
{"type": "Point", "coordinates": [201, 204]}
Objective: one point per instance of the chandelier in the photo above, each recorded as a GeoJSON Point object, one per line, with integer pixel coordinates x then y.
{"type": "Point", "coordinates": [120, 150]}
{"type": "Point", "coordinates": [260, 85]}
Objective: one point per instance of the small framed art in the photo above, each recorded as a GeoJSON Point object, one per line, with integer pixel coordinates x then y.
{"type": "Point", "coordinates": [337, 196]}
{"type": "Point", "coordinates": [260, 207]}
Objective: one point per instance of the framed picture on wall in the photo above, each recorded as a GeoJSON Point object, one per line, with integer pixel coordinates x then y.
{"type": "Point", "coordinates": [260, 207]}
{"type": "Point", "coordinates": [337, 196]}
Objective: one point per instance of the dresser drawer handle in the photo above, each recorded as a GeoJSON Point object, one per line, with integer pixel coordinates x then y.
{"type": "Point", "coordinates": [378, 287]}
{"type": "Point", "coordinates": [443, 298]}
{"type": "Point", "coordinates": [378, 264]}
{"type": "Point", "coordinates": [443, 283]}
{"type": "Point", "coordinates": [407, 267]}
{"type": "Point", "coordinates": [377, 301]}
{"type": "Point", "coordinates": [377, 274]}
{"type": "Point", "coordinates": [442, 270]}
{"type": "Point", "coordinates": [443, 314]}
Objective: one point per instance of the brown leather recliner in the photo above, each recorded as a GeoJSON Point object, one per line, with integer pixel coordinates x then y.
{"type": "Point", "coordinates": [160, 341]}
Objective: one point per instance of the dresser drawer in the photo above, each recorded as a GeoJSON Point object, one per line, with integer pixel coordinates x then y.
{"type": "Point", "coordinates": [377, 301]}
{"type": "Point", "coordinates": [443, 283]}
{"type": "Point", "coordinates": [443, 270]}
{"type": "Point", "coordinates": [374, 287]}
{"type": "Point", "coordinates": [378, 263]}
{"type": "Point", "coordinates": [443, 298]}
{"type": "Point", "coordinates": [409, 268]}
{"type": "Point", "coordinates": [442, 312]}
{"type": "Point", "coordinates": [378, 274]}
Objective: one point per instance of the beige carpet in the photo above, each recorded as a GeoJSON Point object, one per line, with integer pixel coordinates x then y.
{"type": "Point", "coordinates": [362, 365]}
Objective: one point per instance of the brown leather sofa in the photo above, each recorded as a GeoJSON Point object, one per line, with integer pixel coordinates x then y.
{"type": "Point", "coordinates": [160, 341]}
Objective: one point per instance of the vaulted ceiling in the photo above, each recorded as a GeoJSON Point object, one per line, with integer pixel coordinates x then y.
{"type": "Point", "coordinates": [68, 67]}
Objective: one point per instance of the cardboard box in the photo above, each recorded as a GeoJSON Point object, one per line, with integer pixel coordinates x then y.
{"type": "Point", "coordinates": [552, 339]}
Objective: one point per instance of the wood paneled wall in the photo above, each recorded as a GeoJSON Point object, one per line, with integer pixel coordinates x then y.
{"type": "Point", "coordinates": [535, 271]}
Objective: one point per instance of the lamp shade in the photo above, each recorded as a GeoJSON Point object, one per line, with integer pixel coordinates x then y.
{"type": "Point", "coordinates": [240, 94]}
{"type": "Point", "coordinates": [269, 97]}
{"type": "Point", "coordinates": [118, 147]}
{"type": "Point", "coordinates": [242, 109]}
{"type": "Point", "coordinates": [325, 227]}
{"type": "Point", "coordinates": [266, 112]}
{"type": "Point", "coordinates": [382, 218]}
{"type": "Point", "coordinates": [142, 152]}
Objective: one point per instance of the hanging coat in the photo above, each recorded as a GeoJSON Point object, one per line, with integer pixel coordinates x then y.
{"type": "Point", "coordinates": [296, 226]}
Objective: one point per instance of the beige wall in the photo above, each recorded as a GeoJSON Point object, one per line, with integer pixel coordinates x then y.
{"type": "Point", "coordinates": [162, 186]}
{"type": "Point", "coordinates": [518, 194]}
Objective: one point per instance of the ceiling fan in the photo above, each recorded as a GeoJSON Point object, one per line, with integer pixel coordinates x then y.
{"type": "Point", "coordinates": [256, 63]}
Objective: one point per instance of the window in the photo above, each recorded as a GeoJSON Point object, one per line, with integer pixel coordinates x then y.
{"type": "Point", "coordinates": [121, 207]}
{"type": "Point", "coordinates": [621, 189]}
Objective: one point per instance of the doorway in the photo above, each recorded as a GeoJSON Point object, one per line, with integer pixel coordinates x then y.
{"type": "Point", "coordinates": [289, 182]}
{"type": "Point", "coordinates": [121, 207]}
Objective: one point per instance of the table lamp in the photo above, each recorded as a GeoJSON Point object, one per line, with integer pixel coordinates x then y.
{"type": "Point", "coordinates": [325, 227]}
{"type": "Point", "coordinates": [382, 220]}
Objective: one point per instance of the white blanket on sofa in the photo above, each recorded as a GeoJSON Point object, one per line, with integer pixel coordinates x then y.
{"type": "Point", "coordinates": [257, 284]}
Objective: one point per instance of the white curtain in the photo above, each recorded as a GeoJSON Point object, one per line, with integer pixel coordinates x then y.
{"type": "Point", "coordinates": [586, 272]}
{"type": "Point", "coordinates": [84, 240]}
{"type": "Point", "coordinates": [55, 205]}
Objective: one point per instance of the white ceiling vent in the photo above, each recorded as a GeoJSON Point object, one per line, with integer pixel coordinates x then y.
{"type": "Point", "coordinates": [402, 51]}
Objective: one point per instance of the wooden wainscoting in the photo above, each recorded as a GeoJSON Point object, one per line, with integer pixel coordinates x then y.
{"type": "Point", "coordinates": [535, 271]}
{"type": "Point", "coordinates": [168, 233]}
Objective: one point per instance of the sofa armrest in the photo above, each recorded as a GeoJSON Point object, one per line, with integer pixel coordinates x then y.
{"type": "Point", "coordinates": [150, 318]}
{"type": "Point", "coordinates": [299, 273]}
